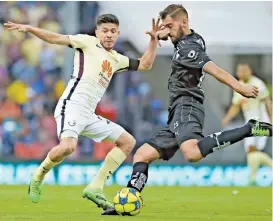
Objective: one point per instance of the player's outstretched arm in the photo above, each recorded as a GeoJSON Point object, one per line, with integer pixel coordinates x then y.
{"type": "Point", "coordinates": [221, 75]}
{"type": "Point", "coordinates": [147, 60]}
{"type": "Point", "coordinates": [232, 112]}
{"type": "Point", "coordinates": [48, 36]}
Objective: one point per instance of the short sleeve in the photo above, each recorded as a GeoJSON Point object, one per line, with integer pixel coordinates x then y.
{"type": "Point", "coordinates": [191, 55]}
{"type": "Point", "coordinates": [263, 91]}
{"type": "Point", "coordinates": [126, 63]}
{"type": "Point", "coordinates": [237, 98]}
{"type": "Point", "coordinates": [81, 41]}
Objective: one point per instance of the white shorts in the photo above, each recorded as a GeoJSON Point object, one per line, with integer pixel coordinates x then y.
{"type": "Point", "coordinates": [258, 142]}
{"type": "Point", "coordinates": [74, 119]}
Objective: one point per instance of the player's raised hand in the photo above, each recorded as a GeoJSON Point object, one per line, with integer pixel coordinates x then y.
{"type": "Point", "coordinates": [159, 32]}
{"type": "Point", "coordinates": [13, 26]}
{"type": "Point", "coordinates": [249, 91]}
{"type": "Point", "coordinates": [155, 27]}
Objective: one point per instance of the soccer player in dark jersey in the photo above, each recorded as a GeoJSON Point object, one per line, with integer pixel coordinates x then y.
{"type": "Point", "coordinates": [186, 110]}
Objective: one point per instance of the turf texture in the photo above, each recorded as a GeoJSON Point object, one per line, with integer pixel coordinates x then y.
{"type": "Point", "coordinates": [64, 203]}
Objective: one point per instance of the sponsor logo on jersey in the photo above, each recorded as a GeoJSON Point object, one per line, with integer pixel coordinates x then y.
{"type": "Point", "coordinates": [105, 74]}
{"type": "Point", "coordinates": [106, 68]}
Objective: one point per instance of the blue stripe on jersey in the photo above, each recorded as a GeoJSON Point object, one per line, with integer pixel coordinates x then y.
{"type": "Point", "coordinates": [80, 73]}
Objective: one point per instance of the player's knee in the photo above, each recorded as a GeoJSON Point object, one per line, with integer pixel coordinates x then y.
{"type": "Point", "coordinates": [126, 143]}
{"type": "Point", "coordinates": [191, 151]}
{"type": "Point", "coordinates": [252, 148]}
{"type": "Point", "coordinates": [140, 156]}
{"type": "Point", "coordinates": [68, 146]}
{"type": "Point", "coordinates": [131, 142]}
{"type": "Point", "coordinates": [146, 154]}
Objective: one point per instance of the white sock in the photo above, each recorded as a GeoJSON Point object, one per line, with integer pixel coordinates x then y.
{"type": "Point", "coordinates": [112, 161]}
{"type": "Point", "coordinates": [44, 168]}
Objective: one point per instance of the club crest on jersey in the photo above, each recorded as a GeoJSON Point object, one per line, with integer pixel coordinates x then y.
{"type": "Point", "coordinates": [72, 123]}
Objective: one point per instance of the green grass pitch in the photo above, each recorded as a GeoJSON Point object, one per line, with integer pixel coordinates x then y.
{"type": "Point", "coordinates": [61, 203]}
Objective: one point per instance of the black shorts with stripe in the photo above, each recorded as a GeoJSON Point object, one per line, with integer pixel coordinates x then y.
{"type": "Point", "coordinates": [186, 121]}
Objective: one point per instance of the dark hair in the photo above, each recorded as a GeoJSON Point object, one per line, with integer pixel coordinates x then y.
{"type": "Point", "coordinates": [244, 63]}
{"type": "Point", "coordinates": [173, 10]}
{"type": "Point", "coordinates": [107, 18]}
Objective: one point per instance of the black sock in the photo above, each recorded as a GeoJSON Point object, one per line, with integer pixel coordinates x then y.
{"type": "Point", "coordinates": [139, 176]}
{"type": "Point", "coordinates": [223, 139]}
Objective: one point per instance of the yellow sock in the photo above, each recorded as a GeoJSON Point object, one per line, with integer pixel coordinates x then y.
{"type": "Point", "coordinates": [44, 168]}
{"type": "Point", "coordinates": [265, 159]}
{"type": "Point", "coordinates": [112, 161]}
{"type": "Point", "coordinates": [253, 162]}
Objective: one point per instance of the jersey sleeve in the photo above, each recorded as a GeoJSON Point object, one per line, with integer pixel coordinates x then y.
{"type": "Point", "coordinates": [191, 55]}
{"type": "Point", "coordinates": [81, 41]}
{"type": "Point", "coordinates": [237, 98]}
{"type": "Point", "coordinates": [263, 91]}
{"type": "Point", "coordinates": [126, 63]}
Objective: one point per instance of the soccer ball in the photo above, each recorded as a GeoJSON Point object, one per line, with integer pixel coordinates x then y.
{"type": "Point", "coordinates": [128, 202]}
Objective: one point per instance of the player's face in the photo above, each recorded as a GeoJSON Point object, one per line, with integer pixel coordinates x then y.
{"type": "Point", "coordinates": [108, 34]}
{"type": "Point", "coordinates": [175, 27]}
{"type": "Point", "coordinates": [244, 72]}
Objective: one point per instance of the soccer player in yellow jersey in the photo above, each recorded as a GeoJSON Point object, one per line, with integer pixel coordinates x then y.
{"type": "Point", "coordinates": [95, 62]}
{"type": "Point", "coordinates": [261, 108]}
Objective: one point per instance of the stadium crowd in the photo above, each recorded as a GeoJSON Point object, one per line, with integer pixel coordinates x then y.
{"type": "Point", "coordinates": [31, 83]}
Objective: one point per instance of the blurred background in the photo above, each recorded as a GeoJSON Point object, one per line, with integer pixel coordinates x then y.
{"type": "Point", "coordinates": [33, 75]}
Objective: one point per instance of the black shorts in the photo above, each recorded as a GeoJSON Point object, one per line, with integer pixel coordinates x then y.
{"type": "Point", "coordinates": [186, 121]}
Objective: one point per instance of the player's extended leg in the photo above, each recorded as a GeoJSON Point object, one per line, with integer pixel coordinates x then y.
{"type": "Point", "coordinates": [55, 156]}
{"type": "Point", "coordinates": [195, 150]}
{"type": "Point", "coordinates": [145, 155]}
{"type": "Point", "coordinates": [142, 158]}
{"type": "Point", "coordinates": [163, 145]}
{"type": "Point", "coordinates": [94, 191]}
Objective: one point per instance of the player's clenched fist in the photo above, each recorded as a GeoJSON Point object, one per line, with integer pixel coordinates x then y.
{"type": "Point", "coordinates": [249, 91]}
{"type": "Point", "coordinates": [18, 27]}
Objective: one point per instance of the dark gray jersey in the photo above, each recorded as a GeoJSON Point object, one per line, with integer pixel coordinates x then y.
{"type": "Point", "coordinates": [187, 68]}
